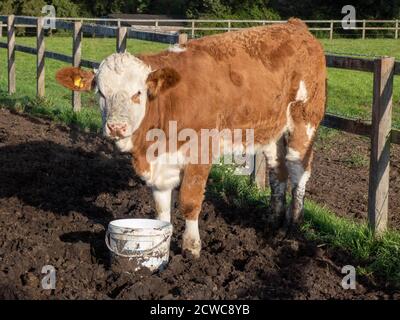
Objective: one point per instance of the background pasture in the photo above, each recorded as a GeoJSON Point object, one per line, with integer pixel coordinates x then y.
{"type": "Point", "coordinates": [349, 92]}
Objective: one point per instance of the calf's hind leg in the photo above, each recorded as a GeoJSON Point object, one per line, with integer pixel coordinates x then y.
{"type": "Point", "coordinates": [299, 173]}
{"type": "Point", "coordinates": [191, 197]}
{"type": "Point", "coordinates": [298, 161]}
{"type": "Point", "coordinates": [278, 182]}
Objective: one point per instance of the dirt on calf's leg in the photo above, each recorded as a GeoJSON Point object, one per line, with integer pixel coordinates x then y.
{"type": "Point", "coordinates": [298, 161]}
{"type": "Point", "coordinates": [299, 174]}
{"type": "Point", "coordinates": [191, 198]}
{"type": "Point", "coordinates": [278, 182]}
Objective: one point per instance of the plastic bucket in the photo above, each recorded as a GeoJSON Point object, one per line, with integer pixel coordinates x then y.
{"type": "Point", "coordinates": [137, 244]}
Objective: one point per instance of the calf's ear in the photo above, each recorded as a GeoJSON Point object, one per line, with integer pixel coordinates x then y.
{"type": "Point", "coordinates": [161, 80]}
{"type": "Point", "coordinates": [76, 79]}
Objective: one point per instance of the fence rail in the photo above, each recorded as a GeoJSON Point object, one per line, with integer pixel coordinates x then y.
{"type": "Point", "coordinates": [194, 26]}
{"type": "Point", "coordinates": [382, 135]}
{"type": "Point", "coordinates": [96, 30]}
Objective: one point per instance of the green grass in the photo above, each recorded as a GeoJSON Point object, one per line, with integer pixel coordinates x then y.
{"type": "Point", "coordinates": [326, 138]}
{"type": "Point", "coordinates": [374, 256]}
{"type": "Point", "coordinates": [349, 92]}
{"type": "Point", "coordinates": [368, 47]}
{"type": "Point", "coordinates": [93, 48]}
{"type": "Point", "coordinates": [356, 160]}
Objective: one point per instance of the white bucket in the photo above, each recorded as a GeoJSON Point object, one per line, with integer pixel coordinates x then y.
{"type": "Point", "coordinates": [138, 243]}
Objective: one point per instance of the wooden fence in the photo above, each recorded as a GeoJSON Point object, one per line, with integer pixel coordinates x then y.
{"type": "Point", "coordinates": [194, 27]}
{"type": "Point", "coordinates": [382, 135]}
{"type": "Point", "coordinates": [94, 30]}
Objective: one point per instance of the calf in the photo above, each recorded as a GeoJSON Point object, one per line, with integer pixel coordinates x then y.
{"type": "Point", "coordinates": [269, 79]}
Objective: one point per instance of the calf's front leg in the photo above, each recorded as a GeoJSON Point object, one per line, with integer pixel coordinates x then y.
{"type": "Point", "coordinates": [191, 197]}
{"type": "Point", "coordinates": [163, 199]}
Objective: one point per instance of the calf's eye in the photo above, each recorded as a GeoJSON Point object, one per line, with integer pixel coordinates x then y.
{"type": "Point", "coordinates": [136, 97]}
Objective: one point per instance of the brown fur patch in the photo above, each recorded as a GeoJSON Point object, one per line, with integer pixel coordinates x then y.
{"type": "Point", "coordinates": [192, 190]}
{"type": "Point", "coordinates": [235, 77]}
{"type": "Point", "coordinates": [280, 55]}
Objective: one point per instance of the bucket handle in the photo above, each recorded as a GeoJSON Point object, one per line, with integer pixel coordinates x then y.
{"type": "Point", "coordinates": [107, 240]}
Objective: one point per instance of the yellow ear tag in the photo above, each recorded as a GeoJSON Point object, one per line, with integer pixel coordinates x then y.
{"type": "Point", "coordinates": [78, 82]}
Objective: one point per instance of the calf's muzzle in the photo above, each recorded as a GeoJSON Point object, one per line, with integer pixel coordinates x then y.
{"type": "Point", "coordinates": [117, 130]}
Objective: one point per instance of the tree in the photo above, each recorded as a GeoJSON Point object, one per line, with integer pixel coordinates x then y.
{"type": "Point", "coordinates": [32, 7]}
{"type": "Point", "coordinates": [7, 7]}
{"type": "Point", "coordinates": [231, 9]}
{"type": "Point", "coordinates": [66, 8]}
{"type": "Point", "coordinates": [320, 9]}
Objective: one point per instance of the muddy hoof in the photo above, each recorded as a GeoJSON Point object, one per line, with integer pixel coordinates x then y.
{"type": "Point", "coordinates": [282, 233]}
{"type": "Point", "coordinates": [193, 246]}
{"type": "Point", "coordinates": [287, 230]}
{"type": "Point", "coordinates": [275, 222]}
{"type": "Point", "coordinates": [191, 255]}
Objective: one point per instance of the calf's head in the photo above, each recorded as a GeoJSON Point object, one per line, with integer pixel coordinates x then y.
{"type": "Point", "coordinates": [124, 85]}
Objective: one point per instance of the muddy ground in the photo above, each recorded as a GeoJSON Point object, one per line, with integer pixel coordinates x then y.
{"type": "Point", "coordinates": [59, 188]}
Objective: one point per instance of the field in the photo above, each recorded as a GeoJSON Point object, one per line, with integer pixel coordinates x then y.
{"type": "Point", "coordinates": [55, 205]}
{"type": "Point", "coordinates": [350, 92]}
{"type": "Point", "coordinates": [342, 98]}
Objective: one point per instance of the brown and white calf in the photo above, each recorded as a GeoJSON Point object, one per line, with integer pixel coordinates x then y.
{"type": "Point", "coordinates": [270, 79]}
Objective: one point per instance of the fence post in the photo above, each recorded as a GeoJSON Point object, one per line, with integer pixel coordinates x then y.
{"type": "Point", "coordinates": [229, 25]}
{"type": "Point", "coordinates": [363, 29]}
{"type": "Point", "coordinates": [331, 31]}
{"type": "Point", "coordinates": [193, 29]}
{"type": "Point", "coordinates": [40, 84]}
{"type": "Point", "coordinates": [259, 173]}
{"type": "Point", "coordinates": [182, 39]}
{"type": "Point", "coordinates": [76, 60]}
{"type": "Point", "coordinates": [11, 53]}
{"type": "Point", "coordinates": [122, 33]}
{"type": "Point", "coordinates": [378, 192]}
{"type": "Point", "coordinates": [396, 32]}
{"type": "Point", "coordinates": [1, 29]}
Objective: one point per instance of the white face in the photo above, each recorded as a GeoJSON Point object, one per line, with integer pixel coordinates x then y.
{"type": "Point", "coordinates": [121, 87]}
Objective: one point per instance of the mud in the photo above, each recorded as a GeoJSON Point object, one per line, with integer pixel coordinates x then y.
{"type": "Point", "coordinates": [341, 173]}
{"type": "Point", "coordinates": [59, 188]}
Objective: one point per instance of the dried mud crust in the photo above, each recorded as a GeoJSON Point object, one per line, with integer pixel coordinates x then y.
{"type": "Point", "coordinates": [59, 188]}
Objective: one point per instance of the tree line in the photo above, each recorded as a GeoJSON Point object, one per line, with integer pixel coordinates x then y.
{"type": "Point", "coordinates": [219, 9]}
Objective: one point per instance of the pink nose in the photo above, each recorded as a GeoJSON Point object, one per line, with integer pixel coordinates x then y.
{"type": "Point", "coordinates": [117, 129]}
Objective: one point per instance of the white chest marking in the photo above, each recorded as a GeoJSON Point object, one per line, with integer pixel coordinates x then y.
{"type": "Point", "coordinates": [165, 171]}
